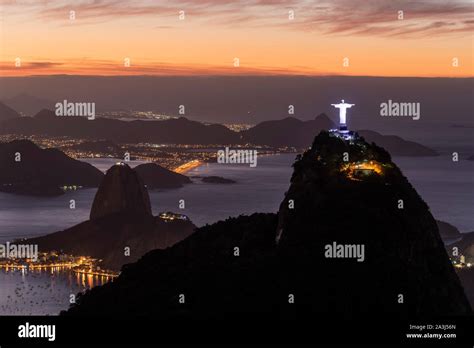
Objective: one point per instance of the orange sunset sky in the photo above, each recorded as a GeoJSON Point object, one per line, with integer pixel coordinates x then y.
{"type": "Point", "coordinates": [42, 39]}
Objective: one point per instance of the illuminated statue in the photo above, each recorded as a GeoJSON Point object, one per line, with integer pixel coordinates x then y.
{"type": "Point", "coordinates": [342, 113]}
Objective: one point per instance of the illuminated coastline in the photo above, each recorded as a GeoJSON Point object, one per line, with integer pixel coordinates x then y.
{"type": "Point", "coordinates": [54, 262]}
{"type": "Point", "coordinates": [188, 166]}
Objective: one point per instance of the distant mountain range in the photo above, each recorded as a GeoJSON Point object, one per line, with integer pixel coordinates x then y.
{"type": "Point", "coordinates": [44, 172]}
{"type": "Point", "coordinates": [289, 131]}
{"type": "Point", "coordinates": [120, 218]}
{"type": "Point", "coordinates": [174, 131]}
{"type": "Point", "coordinates": [7, 112]}
{"type": "Point", "coordinates": [27, 104]}
{"type": "Point", "coordinates": [339, 247]}
{"type": "Point", "coordinates": [286, 132]}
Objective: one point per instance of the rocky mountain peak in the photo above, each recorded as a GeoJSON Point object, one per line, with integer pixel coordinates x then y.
{"type": "Point", "coordinates": [121, 191]}
{"type": "Point", "coordinates": [351, 216]}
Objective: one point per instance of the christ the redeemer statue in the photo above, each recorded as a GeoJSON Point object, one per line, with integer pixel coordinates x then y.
{"type": "Point", "coordinates": [342, 112]}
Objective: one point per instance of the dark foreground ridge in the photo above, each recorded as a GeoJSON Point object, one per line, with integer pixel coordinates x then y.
{"type": "Point", "coordinates": [291, 131]}
{"type": "Point", "coordinates": [259, 265]}
{"type": "Point", "coordinates": [174, 131]}
{"type": "Point", "coordinates": [121, 191]}
{"type": "Point", "coordinates": [287, 132]}
{"type": "Point", "coordinates": [7, 112]}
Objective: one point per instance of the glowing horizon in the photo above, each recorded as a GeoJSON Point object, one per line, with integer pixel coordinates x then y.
{"type": "Point", "coordinates": [157, 40]}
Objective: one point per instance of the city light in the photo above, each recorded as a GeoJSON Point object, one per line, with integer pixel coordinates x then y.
{"type": "Point", "coordinates": [359, 170]}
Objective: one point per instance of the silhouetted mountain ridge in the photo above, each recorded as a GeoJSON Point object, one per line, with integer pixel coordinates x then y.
{"type": "Point", "coordinates": [7, 112]}
{"type": "Point", "coordinates": [28, 169]}
{"type": "Point", "coordinates": [289, 131]}
{"type": "Point", "coordinates": [334, 202]}
{"type": "Point", "coordinates": [174, 131]}
{"type": "Point", "coordinates": [28, 104]}
{"type": "Point", "coordinates": [396, 145]}
{"type": "Point", "coordinates": [294, 132]}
